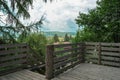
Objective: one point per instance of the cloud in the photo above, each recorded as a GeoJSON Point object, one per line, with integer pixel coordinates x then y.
{"type": "Point", "coordinates": [60, 14]}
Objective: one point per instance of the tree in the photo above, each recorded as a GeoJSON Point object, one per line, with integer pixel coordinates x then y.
{"type": "Point", "coordinates": [37, 43]}
{"type": "Point", "coordinates": [14, 10]}
{"type": "Point", "coordinates": [56, 39]}
{"type": "Point", "coordinates": [66, 38]}
{"type": "Point", "coordinates": [104, 21]}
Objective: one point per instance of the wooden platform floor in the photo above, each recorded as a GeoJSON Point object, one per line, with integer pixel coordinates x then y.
{"type": "Point", "coordinates": [80, 72]}
{"type": "Point", "coordinates": [23, 75]}
{"type": "Point", "coordinates": [90, 72]}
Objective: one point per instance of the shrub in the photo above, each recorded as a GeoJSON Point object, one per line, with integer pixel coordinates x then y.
{"type": "Point", "coordinates": [37, 43]}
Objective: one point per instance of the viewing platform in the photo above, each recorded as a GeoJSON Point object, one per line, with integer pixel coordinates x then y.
{"type": "Point", "coordinates": [90, 72]}
{"type": "Point", "coordinates": [82, 71]}
{"type": "Point", "coordinates": [78, 61]}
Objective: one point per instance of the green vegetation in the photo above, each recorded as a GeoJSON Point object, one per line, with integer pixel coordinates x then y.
{"type": "Point", "coordinates": [37, 43]}
{"type": "Point", "coordinates": [101, 24]}
{"type": "Point", "coordinates": [12, 28]}
{"type": "Point", "coordinates": [55, 38]}
{"type": "Point", "coordinates": [67, 38]}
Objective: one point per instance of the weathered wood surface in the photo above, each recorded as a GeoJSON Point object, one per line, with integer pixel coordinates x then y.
{"type": "Point", "coordinates": [82, 71]}
{"type": "Point", "coordinates": [12, 57]}
{"type": "Point", "coordinates": [85, 71]}
{"type": "Point", "coordinates": [23, 75]}
{"type": "Point", "coordinates": [62, 57]}
{"type": "Point", "coordinates": [103, 53]}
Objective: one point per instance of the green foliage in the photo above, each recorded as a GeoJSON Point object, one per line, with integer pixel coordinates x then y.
{"type": "Point", "coordinates": [37, 42]}
{"type": "Point", "coordinates": [83, 35]}
{"type": "Point", "coordinates": [103, 21]}
{"type": "Point", "coordinates": [55, 38]}
{"type": "Point", "coordinates": [13, 27]}
{"type": "Point", "coordinates": [50, 40]}
{"type": "Point", "coordinates": [2, 41]}
{"type": "Point", "coordinates": [66, 37]}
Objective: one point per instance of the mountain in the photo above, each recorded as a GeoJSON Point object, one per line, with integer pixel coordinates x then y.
{"type": "Point", "coordinates": [60, 34]}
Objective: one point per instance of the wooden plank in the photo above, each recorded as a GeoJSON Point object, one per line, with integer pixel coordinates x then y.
{"type": "Point", "coordinates": [57, 65]}
{"type": "Point", "coordinates": [23, 75]}
{"type": "Point", "coordinates": [12, 45]}
{"type": "Point", "coordinates": [91, 48]}
{"type": "Point", "coordinates": [35, 75]}
{"type": "Point", "coordinates": [13, 63]}
{"type": "Point", "coordinates": [110, 44]}
{"type": "Point", "coordinates": [65, 57]}
{"type": "Point", "coordinates": [10, 70]}
{"type": "Point", "coordinates": [91, 43]}
{"type": "Point", "coordinates": [103, 44]}
{"type": "Point", "coordinates": [18, 56]}
{"type": "Point", "coordinates": [111, 58]}
{"type": "Point", "coordinates": [111, 63]}
{"type": "Point", "coordinates": [91, 51]}
{"type": "Point", "coordinates": [110, 49]}
{"type": "Point", "coordinates": [115, 54]}
{"type": "Point", "coordinates": [63, 51]}
{"type": "Point", "coordinates": [65, 45]}
{"type": "Point", "coordinates": [65, 68]}
{"type": "Point", "coordinates": [12, 76]}
{"type": "Point", "coordinates": [6, 52]}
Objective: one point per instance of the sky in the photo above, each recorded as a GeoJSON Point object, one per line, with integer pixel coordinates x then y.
{"type": "Point", "coordinates": [59, 15]}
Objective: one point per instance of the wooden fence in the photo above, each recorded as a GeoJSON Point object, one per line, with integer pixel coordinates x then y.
{"type": "Point", "coordinates": [12, 57]}
{"type": "Point", "coordinates": [62, 57]}
{"type": "Point", "coordinates": [103, 53]}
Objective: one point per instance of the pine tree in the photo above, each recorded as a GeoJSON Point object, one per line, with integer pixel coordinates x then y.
{"type": "Point", "coordinates": [56, 39]}
{"type": "Point", "coordinates": [66, 37]}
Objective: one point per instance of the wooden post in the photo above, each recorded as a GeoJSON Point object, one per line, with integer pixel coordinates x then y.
{"type": "Point", "coordinates": [99, 53]}
{"type": "Point", "coordinates": [82, 52]}
{"type": "Point", "coordinates": [49, 62]}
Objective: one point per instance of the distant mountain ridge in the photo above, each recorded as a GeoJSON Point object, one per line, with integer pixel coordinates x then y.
{"type": "Point", "coordinates": [60, 34]}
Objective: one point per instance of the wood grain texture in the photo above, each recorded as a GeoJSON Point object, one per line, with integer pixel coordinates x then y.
{"type": "Point", "coordinates": [12, 57]}
{"type": "Point", "coordinates": [90, 72]}
{"type": "Point", "coordinates": [23, 75]}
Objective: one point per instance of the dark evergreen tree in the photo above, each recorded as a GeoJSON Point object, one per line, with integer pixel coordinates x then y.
{"type": "Point", "coordinates": [66, 37]}
{"type": "Point", "coordinates": [13, 27]}
{"type": "Point", "coordinates": [56, 39]}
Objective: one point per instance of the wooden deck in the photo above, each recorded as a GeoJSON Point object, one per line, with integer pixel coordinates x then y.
{"type": "Point", "coordinates": [82, 71]}
{"type": "Point", "coordinates": [23, 75]}
{"type": "Point", "coordinates": [90, 72]}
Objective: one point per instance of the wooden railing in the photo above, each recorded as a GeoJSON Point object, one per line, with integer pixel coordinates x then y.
{"type": "Point", "coordinates": [103, 53]}
{"type": "Point", "coordinates": [12, 57]}
{"type": "Point", "coordinates": [60, 58]}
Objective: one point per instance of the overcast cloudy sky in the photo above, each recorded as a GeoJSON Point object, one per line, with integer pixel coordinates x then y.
{"type": "Point", "coordinates": [60, 14]}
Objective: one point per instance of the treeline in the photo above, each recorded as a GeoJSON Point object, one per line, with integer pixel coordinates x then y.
{"type": "Point", "coordinates": [66, 38]}
{"type": "Point", "coordinates": [101, 24]}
